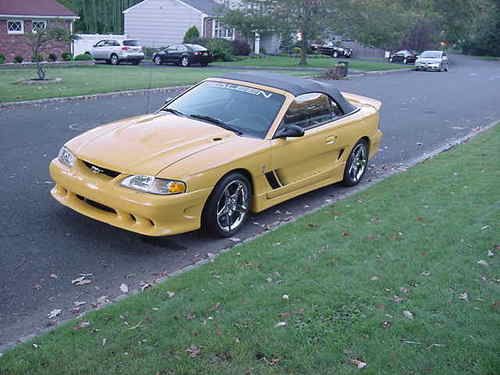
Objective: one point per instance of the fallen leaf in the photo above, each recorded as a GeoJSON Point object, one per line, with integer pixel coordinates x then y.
{"type": "Point", "coordinates": [35, 346]}
{"type": "Point", "coordinates": [285, 297]}
{"type": "Point", "coordinates": [82, 280]}
{"type": "Point", "coordinates": [386, 324]}
{"type": "Point", "coordinates": [104, 341]}
{"type": "Point", "coordinates": [170, 294]}
{"type": "Point", "coordinates": [426, 273]}
{"type": "Point", "coordinates": [491, 253]}
{"type": "Point", "coordinates": [280, 324]}
{"type": "Point", "coordinates": [408, 314]}
{"type": "Point", "coordinates": [235, 239]}
{"type": "Point", "coordinates": [374, 278]}
{"type": "Point", "coordinates": [144, 286]}
{"type": "Point", "coordinates": [210, 255]}
{"type": "Point", "coordinates": [483, 263]}
{"type": "Point", "coordinates": [124, 288]}
{"type": "Point", "coordinates": [54, 313]}
{"type": "Point", "coordinates": [464, 296]}
{"type": "Point", "coordinates": [53, 276]}
{"type": "Point", "coordinates": [79, 303]}
{"type": "Point", "coordinates": [404, 290]}
{"type": "Point", "coordinates": [193, 351]}
{"type": "Point", "coordinates": [358, 363]}
{"type": "Point", "coordinates": [397, 299]}
{"type": "Point", "coordinates": [82, 324]}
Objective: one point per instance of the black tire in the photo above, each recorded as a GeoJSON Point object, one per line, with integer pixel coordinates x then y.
{"type": "Point", "coordinates": [184, 61]}
{"type": "Point", "coordinates": [113, 59]}
{"type": "Point", "coordinates": [353, 176]}
{"type": "Point", "coordinates": [212, 221]}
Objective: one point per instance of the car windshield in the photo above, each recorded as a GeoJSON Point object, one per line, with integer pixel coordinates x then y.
{"type": "Point", "coordinates": [131, 43]}
{"type": "Point", "coordinates": [431, 55]}
{"type": "Point", "coordinates": [243, 109]}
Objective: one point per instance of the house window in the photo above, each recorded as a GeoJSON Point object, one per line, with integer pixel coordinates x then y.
{"type": "Point", "coordinates": [15, 27]}
{"type": "Point", "coordinates": [223, 32]}
{"type": "Point", "coordinates": [38, 26]}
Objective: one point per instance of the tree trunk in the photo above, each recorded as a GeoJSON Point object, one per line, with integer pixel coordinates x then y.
{"type": "Point", "coordinates": [303, 50]}
{"type": "Point", "coordinates": [40, 71]}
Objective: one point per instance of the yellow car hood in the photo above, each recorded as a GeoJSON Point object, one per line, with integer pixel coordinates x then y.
{"type": "Point", "coordinates": [147, 144]}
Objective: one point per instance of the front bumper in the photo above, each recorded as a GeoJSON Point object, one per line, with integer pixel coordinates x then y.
{"type": "Point", "coordinates": [427, 67]}
{"type": "Point", "coordinates": [102, 198]}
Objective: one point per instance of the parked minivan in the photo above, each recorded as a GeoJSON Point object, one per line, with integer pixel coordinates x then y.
{"type": "Point", "coordinates": [116, 51]}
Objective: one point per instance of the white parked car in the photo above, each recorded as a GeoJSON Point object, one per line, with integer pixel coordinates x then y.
{"type": "Point", "coordinates": [432, 60]}
{"type": "Point", "coordinates": [115, 51]}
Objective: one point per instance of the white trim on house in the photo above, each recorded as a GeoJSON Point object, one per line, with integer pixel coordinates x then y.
{"type": "Point", "coordinates": [192, 7]}
{"type": "Point", "coordinates": [134, 6]}
{"type": "Point", "coordinates": [22, 16]}
{"type": "Point", "coordinates": [14, 32]}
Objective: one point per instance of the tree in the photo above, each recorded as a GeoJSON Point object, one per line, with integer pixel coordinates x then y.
{"type": "Point", "coordinates": [39, 39]}
{"type": "Point", "coordinates": [305, 18]}
{"type": "Point", "coordinates": [191, 35]}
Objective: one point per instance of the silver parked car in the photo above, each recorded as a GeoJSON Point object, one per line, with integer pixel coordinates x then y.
{"type": "Point", "coordinates": [115, 51]}
{"type": "Point", "coordinates": [432, 60]}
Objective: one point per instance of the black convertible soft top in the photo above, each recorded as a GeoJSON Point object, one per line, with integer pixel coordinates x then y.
{"type": "Point", "coordinates": [294, 85]}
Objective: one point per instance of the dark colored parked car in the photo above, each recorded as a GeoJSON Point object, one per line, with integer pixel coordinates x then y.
{"type": "Point", "coordinates": [330, 49]}
{"type": "Point", "coordinates": [403, 57]}
{"type": "Point", "coordinates": [183, 55]}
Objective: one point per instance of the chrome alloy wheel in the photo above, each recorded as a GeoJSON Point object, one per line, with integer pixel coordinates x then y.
{"type": "Point", "coordinates": [185, 61]}
{"type": "Point", "coordinates": [358, 163]}
{"type": "Point", "coordinates": [232, 206]}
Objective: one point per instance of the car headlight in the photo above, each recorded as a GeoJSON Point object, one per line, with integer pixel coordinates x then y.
{"type": "Point", "coordinates": [153, 185]}
{"type": "Point", "coordinates": [66, 157]}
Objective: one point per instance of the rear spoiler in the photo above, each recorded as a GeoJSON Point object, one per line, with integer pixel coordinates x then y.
{"type": "Point", "coordinates": [362, 100]}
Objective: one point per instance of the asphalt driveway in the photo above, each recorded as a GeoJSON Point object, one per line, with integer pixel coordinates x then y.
{"type": "Point", "coordinates": [44, 246]}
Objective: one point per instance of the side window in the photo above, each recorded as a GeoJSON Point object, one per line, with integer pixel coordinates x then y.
{"type": "Point", "coordinates": [172, 48]}
{"type": "Point", "coordinates": [101, 43]}
{"type": "Point", "coordinates": [310, 110]}
{"type": "Point", "coordinates": [181, 48]}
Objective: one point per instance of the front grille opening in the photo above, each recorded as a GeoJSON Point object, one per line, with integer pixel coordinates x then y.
{"type": "Point", "coordinates": [97, 205]}
{"type": "Point", "coordinates": [100, 170]}
{"type": "Point", "coordinates": [151, 222]}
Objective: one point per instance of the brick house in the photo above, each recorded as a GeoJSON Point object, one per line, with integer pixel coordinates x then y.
{"type": "Point", "coordinates": [18, 18]}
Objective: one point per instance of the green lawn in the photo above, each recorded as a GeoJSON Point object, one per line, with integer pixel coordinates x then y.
{"type": "Point", "coordinates": [314, 62]}
{"type": "Point", "coordinates": [99, 79]}
{"type": "Point", "coordinates": [404, 276]}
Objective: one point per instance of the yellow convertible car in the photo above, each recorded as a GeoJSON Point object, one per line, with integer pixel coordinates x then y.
{"type": "Point", "coordinates": [228, 146]}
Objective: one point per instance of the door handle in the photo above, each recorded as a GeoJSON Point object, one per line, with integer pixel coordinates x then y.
{"type": "Point", "coordinates": [331, 140]}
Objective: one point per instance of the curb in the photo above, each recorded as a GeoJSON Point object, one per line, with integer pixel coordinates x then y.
{"type": "Point", "coordinates": [380, 72]}
{"type": "Point", "coordinates": [402, 168]}
{"type": "Point", "coordinates": [9, 105]}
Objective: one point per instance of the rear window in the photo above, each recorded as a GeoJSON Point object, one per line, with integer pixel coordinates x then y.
{"type": "Point", "coordinates": [131, 43]}
{"type": "Point", "coordinates": [196, 47]}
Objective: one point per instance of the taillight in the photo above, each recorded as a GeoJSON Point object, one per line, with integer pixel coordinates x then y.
{"type": "Point", "coordinates": [124, 48]}
{"type": "Point", "coordinates": [197, 53]}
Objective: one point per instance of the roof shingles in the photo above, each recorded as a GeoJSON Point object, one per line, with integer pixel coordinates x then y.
{"type": "Point", "coordinates": [46, 8]}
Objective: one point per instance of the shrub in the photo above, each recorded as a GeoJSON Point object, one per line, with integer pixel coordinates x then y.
{"type": "Point", "coordinates": [191, 35]}
{"type": "Point", "coordinates": [18, 59]}
{"type": "Point", "coordinates": [240, 48]}
{"type": "Point", "coordinates": [52, 57]}
{"type": "Point", "coordinates": [296, 50]}
{"type": "Point", "coordinates": [221, 49]}
{"type": "Point", "coordinates": [83, 57]}
{"type": "Point", "coordinates": [38, 58]}
{"type": "Point", "coordinates": [66, 56]}
{"type": "Point", "coordinates": [2, 58]}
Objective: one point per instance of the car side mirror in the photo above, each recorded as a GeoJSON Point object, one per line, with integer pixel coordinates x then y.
{"type": "Point", "coordinates": [292, 131]}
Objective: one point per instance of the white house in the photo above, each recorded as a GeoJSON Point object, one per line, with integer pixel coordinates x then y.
{"type": "Point", "coordinates": [159, 23]}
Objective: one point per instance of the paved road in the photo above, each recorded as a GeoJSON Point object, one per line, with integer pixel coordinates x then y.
{"type": "Point", "coordinates": [40, 238]}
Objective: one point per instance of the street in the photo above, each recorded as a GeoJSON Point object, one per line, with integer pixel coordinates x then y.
{"type": "Point", "coordinates": [44, 246]}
